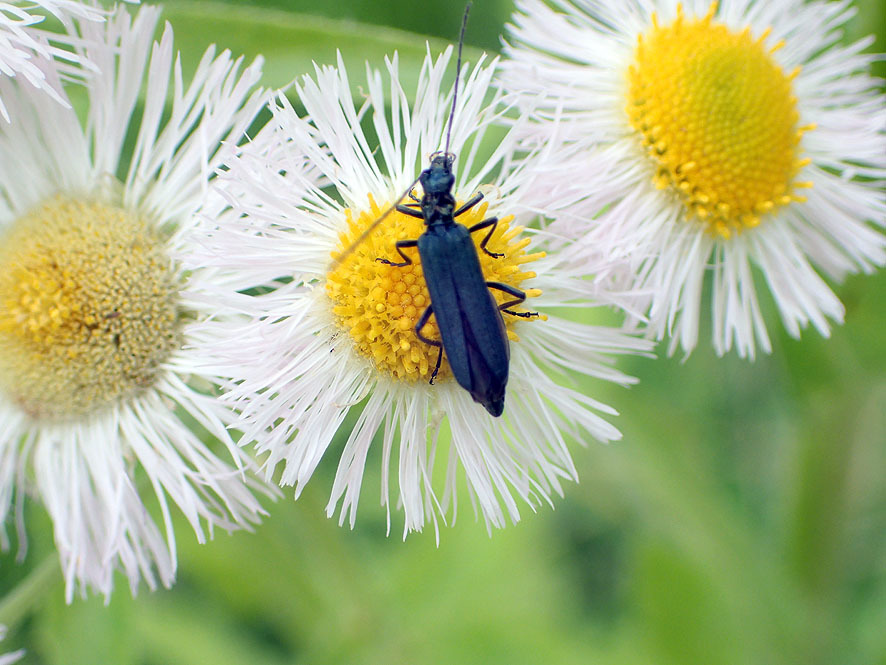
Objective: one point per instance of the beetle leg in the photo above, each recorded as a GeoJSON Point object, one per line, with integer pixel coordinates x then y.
{"type": "Point", "coordinates": [416, 202]}
{"type": "Point", "coordinates": [470, 203]}
{"type": "Point", "coordinates": [493, 222]}
{"type": "Point", "coordinates": [409, 211]}
{"type": "Point", "coordinates": [400, 245]}
{"type": "Point", "coordinates": [422, 322]}
{"type": "Point", "coordinates": [519, 297]}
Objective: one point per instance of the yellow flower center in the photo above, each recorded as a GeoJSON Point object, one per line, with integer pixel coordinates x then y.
{"type": "Point", "coordinates": [88, 308]}
{"type": "Point", "coordinates": [378, 305]}
{"type": "Point", "coordinates": [718, 117]}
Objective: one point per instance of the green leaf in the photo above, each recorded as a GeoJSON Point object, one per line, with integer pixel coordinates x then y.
{"type": "Point", "coordinates": [291, 43]}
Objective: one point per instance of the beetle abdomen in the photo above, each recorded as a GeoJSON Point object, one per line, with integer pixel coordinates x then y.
{"type": "Point", "coordinates": [472, 331]}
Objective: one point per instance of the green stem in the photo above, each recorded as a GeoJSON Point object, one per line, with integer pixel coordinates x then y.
{"type": "Point", "coordinates": [19, 602]}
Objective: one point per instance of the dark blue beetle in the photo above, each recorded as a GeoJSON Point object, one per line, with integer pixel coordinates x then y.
{"type": "Point", "coordinates": [472, 331]}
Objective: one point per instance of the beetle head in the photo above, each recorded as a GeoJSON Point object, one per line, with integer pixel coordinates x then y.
{"type": "Point", "coordinates": [438, 178]}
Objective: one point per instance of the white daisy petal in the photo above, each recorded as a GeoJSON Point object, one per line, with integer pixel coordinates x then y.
{"type": "Point", "coordinates": [731, 138]}
{"type": "Point", "coordinates": [90, 438]}
{"type": "Point", "coordinates": [25, 47]}
{"type": "Point", "coordinates": [296, 369]}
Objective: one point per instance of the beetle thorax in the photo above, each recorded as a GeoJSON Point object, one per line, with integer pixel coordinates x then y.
{"type": "Point", "coordinates": [438, 208]}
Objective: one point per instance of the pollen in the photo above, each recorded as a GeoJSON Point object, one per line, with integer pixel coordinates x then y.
{"type": "Point", "coordinates": [379, 305]}
{"type": "Point", "coordinates": [88, 308]}
{"type": "Point", "coordinates": [717, 116]}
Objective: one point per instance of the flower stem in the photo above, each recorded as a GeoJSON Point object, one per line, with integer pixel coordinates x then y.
{"type": "Point", "coordinates": [30, 591]}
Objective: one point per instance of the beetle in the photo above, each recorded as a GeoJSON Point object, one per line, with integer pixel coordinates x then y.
{"type": "Point", "coordinates": [472, 331]}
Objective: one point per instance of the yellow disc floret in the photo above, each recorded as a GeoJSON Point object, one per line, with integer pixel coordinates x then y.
{"type": "Point", "coordinates": [89, 311]}
{"type": "Point", "coordinates": [378, 305]}
{"type": "Point", "coordinates": [718, 116]}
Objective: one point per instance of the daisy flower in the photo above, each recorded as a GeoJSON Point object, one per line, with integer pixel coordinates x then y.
{"type": "Point", "coordinates": [23, 45]}
{"type": "Point", "coordinates": [740, 139]}
{"type": "Point", "coordinates": [328, 347]}
{"type": "Point", "coordinates": [99, 393]}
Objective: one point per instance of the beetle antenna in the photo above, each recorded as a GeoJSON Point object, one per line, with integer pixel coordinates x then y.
{"type": "Point", "coordinates": [461, 41]}
{"type": "Point", "coordinates": [338, 260]}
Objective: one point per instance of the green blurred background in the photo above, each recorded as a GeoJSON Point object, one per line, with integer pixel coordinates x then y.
{"type": "Point", "coordinates": [742, 519]}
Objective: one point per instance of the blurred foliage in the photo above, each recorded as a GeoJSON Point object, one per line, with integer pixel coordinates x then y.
{"type": "Point", "coordinates": [742, 519]}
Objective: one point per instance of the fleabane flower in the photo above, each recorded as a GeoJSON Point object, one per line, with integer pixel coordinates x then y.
{"type": "Point", "coordinates": [24, 45]}
{"type": "Point", "coordinates": [329, 335]}
{"type": "Point", "coordinates": [100, 397]}
{"type": "Point", "coordinates": [733, 138]}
